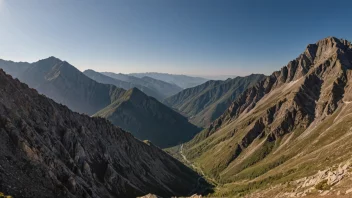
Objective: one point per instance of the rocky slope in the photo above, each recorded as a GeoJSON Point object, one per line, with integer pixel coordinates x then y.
{"type": "Point", "coordinates": [164, 89]}
{"type": "Point", "coordinates": [182, 81]}
{"type": "Point", "coordinates": [147, 118]}
{"type": "Point", "coordinates": [288, 126]}
{"type": "Point", "coordinates": [101, 78]}
{"type": "Point", "coordinates": [206, 102]}
{"type": "Point", "coordinates": [46, 150]}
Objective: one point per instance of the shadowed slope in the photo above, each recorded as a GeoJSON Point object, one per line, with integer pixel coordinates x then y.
{"type": "Point", "coordinates": [149, 119]}
{"type": "Point", "coordinates": [46, 150]}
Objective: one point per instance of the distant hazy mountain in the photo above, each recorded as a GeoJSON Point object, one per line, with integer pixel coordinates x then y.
{"type": "Point", "coordinates": [46, 150]}
{"type": "Point", "coordinates": [124, 77]}
{"type": "Point", "coordinates": [101, 78]}
{"type": "Point", "coordinates": [147, 118]}
{"type": "Point", "coordinates": [206, 102]}
{"type": "Point", "coordinates": [179, 80]}
{"type": "Point", "coordinates": [14, 68]}
{"type": "Point", "coordinates": [216, 77]}
{"type": "Point", "coordinates": [67, 85]}
{"type": "Point", "coordinates": [161, 87]}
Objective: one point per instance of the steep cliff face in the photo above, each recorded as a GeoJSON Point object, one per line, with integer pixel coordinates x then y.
{"type": "Point", "coordinates": [273, 128]}
{"type": "Point", "coordinates": [148, 119]}
{"type": "Point", "coordinates": [46, 150]}
{"type": "Point", "coordinates": [206, 102]}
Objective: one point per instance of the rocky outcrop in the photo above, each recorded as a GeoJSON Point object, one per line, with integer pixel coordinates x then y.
{"type": "Point", "coordinates": [331, 181]}
{"type": "Point", "coordinates": [46, 150]}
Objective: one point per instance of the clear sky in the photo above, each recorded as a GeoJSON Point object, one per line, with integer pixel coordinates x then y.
{"type": "Point", "coordinates": [200, 37]}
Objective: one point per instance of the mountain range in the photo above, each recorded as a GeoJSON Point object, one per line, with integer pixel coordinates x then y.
{"type": "Point", "coordinates": [283, 135]}
{"type": "Point", "coordinates": [289, 126]}
{"type": "Point", "coordinates": [133, 110]}
{"type": "Point", "coordinates": [46, 150]}
{"type": "Point", "coordinates": [163, 88]}
{"type": "Point", "coordinates": [206, 102]}
{"type": "Point", "coordinates": [67, 85]}
{"type": "Point", "coordinates": [101, 78]}
{"type": "Point", "coordinates": [182, 81]}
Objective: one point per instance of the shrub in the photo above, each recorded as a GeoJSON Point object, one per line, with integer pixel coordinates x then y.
{"type": "Point", "coordinates": [323, 185]}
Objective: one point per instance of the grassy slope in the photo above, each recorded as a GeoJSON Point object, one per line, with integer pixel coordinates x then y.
{"type": "Point", "coordinates": [301, 152]}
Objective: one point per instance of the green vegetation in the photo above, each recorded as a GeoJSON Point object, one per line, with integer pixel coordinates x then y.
{"type": "Point", "coordinates": [258, 155]}
{"type": "Point", "coordinates": [246, 188]}
{"type": "Point", "coordinates": [2, 195]}
{"type": "Point", "coordinates": [323, 185]}
{"type": "Point", "coordinates": [258, 170]}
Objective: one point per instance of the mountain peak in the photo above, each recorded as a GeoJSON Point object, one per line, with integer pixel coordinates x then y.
{"type": "Point", "coordinates": [52, 58]}
{"type": "Point", "coordinates": [89, 70]}
{"type": "Point", "coordinates": [135, 94]}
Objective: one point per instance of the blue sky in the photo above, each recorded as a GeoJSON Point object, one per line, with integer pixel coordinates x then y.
{"type": "Point", "coordinates": [200, 37]}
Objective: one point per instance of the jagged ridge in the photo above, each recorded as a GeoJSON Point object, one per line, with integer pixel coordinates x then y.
{"type": "Point", "coordinates": [268, 131]}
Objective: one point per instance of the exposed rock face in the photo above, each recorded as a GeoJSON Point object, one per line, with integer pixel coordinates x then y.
{"type": "Point", "coordinates": [282, 121]}
{"type": "Point", "coordinates": [149, 119]}
{"type": "Point", "coordinates": [102, 78]}
{"type": "Point", "coordinates": [206, 102]}
{"type": "Point", "coordinates": [46, 150]}
{"type": "Point", "coordinates": [163, 88]}
{"type": "Point", "coordinates": [331, 182]}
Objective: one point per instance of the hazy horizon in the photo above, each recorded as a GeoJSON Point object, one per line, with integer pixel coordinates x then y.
{"type": "Point", "coordinates": [210, 77]}
{"type": "Point", "coordinates": [203, 38]}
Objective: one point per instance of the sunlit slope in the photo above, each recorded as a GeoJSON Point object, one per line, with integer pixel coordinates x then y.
{"type": "Point", "coordinates": [289, 125]}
